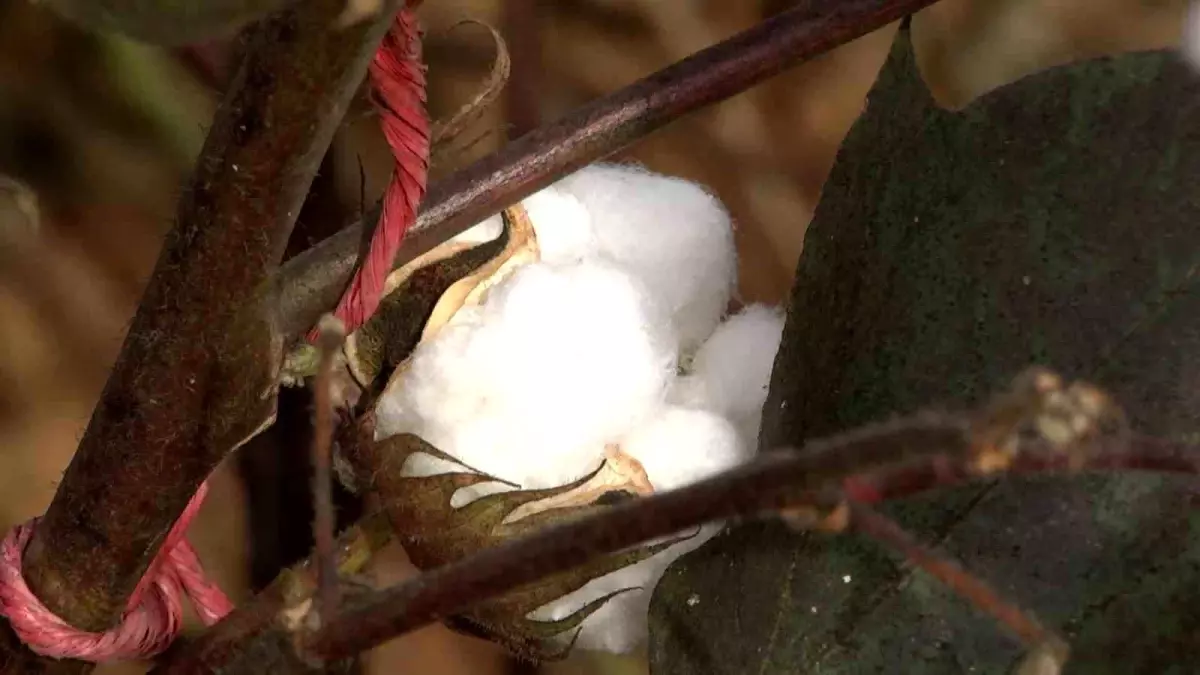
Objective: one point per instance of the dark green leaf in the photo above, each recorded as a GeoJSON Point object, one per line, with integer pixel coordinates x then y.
{"type": "Point", "coordinates": [1055, 221]}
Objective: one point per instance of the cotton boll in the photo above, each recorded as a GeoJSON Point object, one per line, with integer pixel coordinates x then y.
{"type": "Point", "coordinates": [674, 235]}
{"type": "Point", "coordinates": [529, 387]}
{"type": "Point", "coordinates": [734, 366]}
{"type": "Point", "coordinates": [562, 225]}
{"type": "Point", "coordinates": [679, 446]}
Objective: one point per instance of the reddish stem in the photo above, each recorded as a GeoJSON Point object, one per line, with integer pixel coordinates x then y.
{"type": "Point", "coordinates": [1023, 624]}
{"type": "Point", "coordinates": [899, 458]}
{"type": "Point", "coordinates": [309, 285]}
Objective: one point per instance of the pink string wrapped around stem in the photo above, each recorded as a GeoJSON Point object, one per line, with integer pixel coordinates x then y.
{"type": "Point", "coordinates": [153, 616]}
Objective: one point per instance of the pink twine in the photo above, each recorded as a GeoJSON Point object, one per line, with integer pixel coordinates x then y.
{"type": "Point", "coordinates": [398, 81]}
{"type": "Point", "coordinates": [152, 619]}
{"type": "Point", "coordinates": [154, 615]}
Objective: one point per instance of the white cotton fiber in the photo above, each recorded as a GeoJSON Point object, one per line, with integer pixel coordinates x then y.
{"type": "Point", "coordinates": [481, 232]}
{"type": "Point", "coordinates": [677, 447]}
{"type": "Point", "coordinates": [683, 445]}
{"type": "Point", "coordinates": [530, 386]}
{"type": "Point", "coordinates": [675, 236]}
{"type": "Point", "coordinates": [563, 227]}
{"type": "Point", "coordinates": [732, 369]}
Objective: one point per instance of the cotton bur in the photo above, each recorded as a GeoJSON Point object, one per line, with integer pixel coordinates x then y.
{"type": "Point", "coordinates": [578, 354]}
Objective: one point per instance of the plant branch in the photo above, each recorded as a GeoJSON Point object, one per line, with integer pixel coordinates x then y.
{"type": "Point", "coordinates": [898, 459]}
{"type": "Point", "coordinates": [311, 284]}
{"type": "Point", "coordinates": [189, 379]}
{"type": "Point", "coordinates": [331, 335]}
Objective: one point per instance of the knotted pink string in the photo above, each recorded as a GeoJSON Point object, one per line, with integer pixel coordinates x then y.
{"type": "Point", "coordinates": [154, 614]}
{"type": "Point", "coordinates": [398, 84]}
{"type": "Point", "coordinates": [152, 619]}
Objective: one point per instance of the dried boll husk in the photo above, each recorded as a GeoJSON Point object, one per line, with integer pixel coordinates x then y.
{"type": "Point", "coordinates": [424, 295]}
{"type": "Point", "coordinates": [432, 530]}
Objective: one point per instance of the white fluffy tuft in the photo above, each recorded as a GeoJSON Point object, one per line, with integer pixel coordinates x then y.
{"type": "Point", "coordinates": [529, 387]}
{"type": "Point", "coordinates": [683, 445]}
{"type": "Point", "coordinates": [563, 226]}
{"type": "Point", "coordinates": [675, 236]}
{"type": "Point", "coordinates": [481, 232]}
{"type": "Point", "coordinates": [678, 447]}
{"type": "Point", "coordinates": [732, 369]}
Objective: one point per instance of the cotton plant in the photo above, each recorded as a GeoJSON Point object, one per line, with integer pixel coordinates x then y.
{"type": "Point", "coordinates": [602, 365]}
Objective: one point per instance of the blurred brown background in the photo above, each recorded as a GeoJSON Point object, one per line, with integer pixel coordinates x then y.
{"type": "Point", "coordinates": [102, 131]}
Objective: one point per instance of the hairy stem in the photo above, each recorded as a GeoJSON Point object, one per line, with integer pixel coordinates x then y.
{"type": "Point", "coordinates": [160, 425]}
{"type": "Point", "coordinates": [310, 285]}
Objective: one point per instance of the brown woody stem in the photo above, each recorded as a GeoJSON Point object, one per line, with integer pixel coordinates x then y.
{"type": "Point", "coordinates": [150, 443]}
{"type": "Point", "coordinates": [331, 335]}
{"type": "Point", "coordinates": [310, 285]}
{"type": "Point", "coordinates": [898, 458]}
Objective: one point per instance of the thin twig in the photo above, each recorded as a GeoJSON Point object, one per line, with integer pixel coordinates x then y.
{"type": "Point", "coordinates": [331, 335]}
{"type": "Point", "coordinates": [193, 378]}
{"type": "Point", "coordinates": [310, 284]}
{"type": "Point", "coordinates": [1022, 623]}
{"type": "Point", "coordinates": [268, 613]}
{"type": "Point", "coordinates": [898, 458]}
